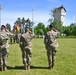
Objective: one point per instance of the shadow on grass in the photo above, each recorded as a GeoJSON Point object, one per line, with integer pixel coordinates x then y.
{"type": "Point", "coordinates": [22, 67]}
{"type": "Point", "coordinates": [38, 67]}
{"type": "Point", "coordinates": [15, 68]}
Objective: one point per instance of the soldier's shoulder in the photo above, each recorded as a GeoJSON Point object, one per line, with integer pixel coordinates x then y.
{"type": "Point", "coordinates": [48, 32]}
{"type": "Point", "coordinates": [19, 35]}
{"type": "Point", "coordinates": [23, 34]}
{"type": "Point", "coordinates": [2, 32]}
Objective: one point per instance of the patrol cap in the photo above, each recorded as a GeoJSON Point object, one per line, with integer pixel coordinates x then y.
{"type": "Point", "coordinates": [3, 26]}
{"type": "Point", "coordinates": [51, 26]}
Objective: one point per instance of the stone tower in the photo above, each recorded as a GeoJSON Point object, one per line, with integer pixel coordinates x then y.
{"type": "Point", "coordinates": [59, 14]}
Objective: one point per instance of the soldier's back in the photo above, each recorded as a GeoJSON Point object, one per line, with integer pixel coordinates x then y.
{"type": "Point", "coordinates": [51, 37]}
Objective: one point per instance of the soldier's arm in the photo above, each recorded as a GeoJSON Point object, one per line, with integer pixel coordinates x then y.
{"type": "Point", "coordinates": [9, 33]}
{"type": "Point", "coordinates": [57, 32]}
{"type": "Point", "coordinates": [45, 39]}
{"type": "Point", "coordinates": [32, 35]}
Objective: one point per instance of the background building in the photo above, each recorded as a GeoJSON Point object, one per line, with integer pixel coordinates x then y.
{"type": "Point", "coordinates": [59, 14]}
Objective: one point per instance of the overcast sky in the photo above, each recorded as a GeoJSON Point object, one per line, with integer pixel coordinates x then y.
{"type": "Point", "coordinates": [13, 9]}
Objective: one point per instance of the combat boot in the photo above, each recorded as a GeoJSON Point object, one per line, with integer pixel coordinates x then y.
{"type": "Point", "coordinates": [28, 67]}
{"type": "Point", "coordinates": [4, 68]}
{"type": "Point", "coordinates": [50, 67]}
{"type": "Point", "coordinates": [25, 67]}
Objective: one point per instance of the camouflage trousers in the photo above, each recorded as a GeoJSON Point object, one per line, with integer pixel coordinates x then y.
{"type": "Point", "coordinates": [51, 54]}
{"type": "Point", "coordinates": [26, 55]}
{"type": "Point", "coordinates": [3, 57]}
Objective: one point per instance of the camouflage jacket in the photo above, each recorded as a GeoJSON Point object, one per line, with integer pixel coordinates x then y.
{"type": "Point", "coordinates": [50, 39]}
{"type": "Point", "coordinates": [26, 42]}
{"type": "Point", "coordinates": [4, 38]}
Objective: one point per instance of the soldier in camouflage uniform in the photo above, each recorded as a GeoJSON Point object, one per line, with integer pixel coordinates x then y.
{"type": "Point", "coordinates": [26, 47]}
{"type": "Point", "coordinates": [4, 48]}
{"type": "Point", "coordinates": [11, 39]}
{"type": "Point", "coordinates": [14, 38]}
{"type": "Point", "coordinates": [51, 45]}
{"type": "Point", "coordinates": [18, 35]}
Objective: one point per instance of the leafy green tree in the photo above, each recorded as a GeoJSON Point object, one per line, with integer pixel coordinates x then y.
{"type": "Point", "coordinates": [23, 21]}
{"type": "Point", "coordinates": [72, 27]}
{"type": "Point", "coordinates": [68, 31]}
{"type": "Point", "coordinates": [36, 30]}
{"type": "Point", "coordinates": [19, 21]}
{"type": "Point", "coordinates": [28, 23]}
{"type": "Point", "coordinates": [56, 23]}
{"type": "Point", "coordinates": [46, 29]}
{"type": "Point", "coordinates": [74, 32]}
{"type": "Point", "coordinates": [39, 29]}
{"type": "Point", "coordinates": [8, 26]}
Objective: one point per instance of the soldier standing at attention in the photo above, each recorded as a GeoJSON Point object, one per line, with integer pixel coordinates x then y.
{"type": "Point", "coordinates": [51, 45]}
{"type": "Point", "coordinates": [26, 47]}
{"type": "Point", "coordinates": [4, 48]}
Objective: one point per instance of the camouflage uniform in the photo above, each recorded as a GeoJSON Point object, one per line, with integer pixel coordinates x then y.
{"type": "Point", "coordinates": [4, 49]}
{"type": "Point", "coordinates": [26, 49]}
{"type": "Point", "coordinates": [18, 35]}
{"type": "Point", "coordinates": [11, 38]}
{"type": "Point", "coordinates": [14, 38]}
{"type": "Point", "coordinates": [51, 45]}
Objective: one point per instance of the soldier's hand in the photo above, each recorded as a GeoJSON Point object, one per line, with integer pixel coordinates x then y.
{"type": "Point", "coordinates": [55, 30]}
{"type": "Point", "coordinates": [6, 30]}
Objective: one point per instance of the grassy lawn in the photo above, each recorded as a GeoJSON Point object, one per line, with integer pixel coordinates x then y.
{"type": "Point", "coordinates": [65, 59]}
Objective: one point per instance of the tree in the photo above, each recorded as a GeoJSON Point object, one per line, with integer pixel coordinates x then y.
{"type": "Point", "coordinates": [19, 21]}
{"type": "Point", "coordinates": [74, 32]}
{"type": "Point", "coordinates": [72, 27]}
{"type": "Point", "coordinates": [23, 21]}
{"type": "Point", "coordinates": [28, 23]}
{"type": "Point", "coordinates": [8, 26]}
{"type": "Point", "coordinates": [56, 23]}
{"type": "Point", "coordinates": [39, 29]}
{"type": "Point", "coordinates": [46, 29]}
{"type": "Point", "coordinates": [68, 31]}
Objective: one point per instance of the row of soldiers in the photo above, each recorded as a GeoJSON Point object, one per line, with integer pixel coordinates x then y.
{"type": "Point", "coordinates": [26, 47]}
{"type": "Point", "coordinates": [14, 38]}
{"type": "Point", "coordinates": [25, 44]}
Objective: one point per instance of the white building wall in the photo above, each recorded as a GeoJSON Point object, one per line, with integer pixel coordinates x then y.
{"type": "Point", "coordinates": [60, 15]}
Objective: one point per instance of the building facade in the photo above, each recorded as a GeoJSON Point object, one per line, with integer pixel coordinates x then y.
{"type": "Point", "coordinates": [59, 14]}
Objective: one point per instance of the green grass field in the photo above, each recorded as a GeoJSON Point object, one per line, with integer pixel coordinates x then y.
{"type": "Point", "coordinates": [65, 59]}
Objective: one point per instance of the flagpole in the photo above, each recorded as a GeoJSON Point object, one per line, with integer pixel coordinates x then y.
{"type": "Point", "coordinates": [33, 18]}
{"type": "Point", "coordinates": [0, 16]}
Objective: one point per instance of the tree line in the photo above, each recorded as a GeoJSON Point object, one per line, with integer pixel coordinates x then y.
{"type": "Point", "coordinates": [40, 28]}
